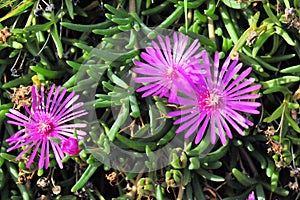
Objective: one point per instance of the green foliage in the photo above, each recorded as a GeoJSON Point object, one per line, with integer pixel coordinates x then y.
{"type": "Point", "coordinates": [75, 45]}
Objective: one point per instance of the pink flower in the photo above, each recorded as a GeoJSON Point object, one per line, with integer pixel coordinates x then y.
{"type": "Point", "coordinates": [251, 196]}
{"type": "Point", "coordinates": [48, 120]}
{"type": "Point", "coordinates": [218, 102]}
{"type": "Point", "coordinates": [70, 146]}
{"type": "Point", "coordinates": [166, 65]}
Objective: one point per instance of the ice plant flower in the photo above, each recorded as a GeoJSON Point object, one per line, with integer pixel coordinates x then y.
{"type": "Point", "coordinates": [219, 102]}
{"type": "Point", "coordinates": [166, 65]}
{"type": "Point", "coordinates": [49, 119]}
{"type": "Point", "coordinates": [251, 196]}
{"type": "Point", "coordinates": [70, 146]}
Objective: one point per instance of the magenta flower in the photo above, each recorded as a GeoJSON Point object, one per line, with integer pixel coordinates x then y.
{"type": "Point", "coordinates": [219, 101]}
{"type": "Point", "coordinates": [166, 65]}
{"type": "Point", "coordinates": [70, 146]}
{"type": "Point", "coordinates": [47, 121]}
{"type": "Point", "coordinates": [251, 196]}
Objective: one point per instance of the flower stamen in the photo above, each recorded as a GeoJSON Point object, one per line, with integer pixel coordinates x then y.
{"type": "Point", "coordinates": [44, 128]}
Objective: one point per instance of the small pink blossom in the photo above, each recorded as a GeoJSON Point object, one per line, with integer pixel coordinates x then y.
{"type": "Point", "coordinates": [167, 63]}
{"type": "Point", "coordinates": [49, 119]}
{"type": "Point", "coordinates": [251, 196]}
{"type": "Point", "coordinates": [218, 102]}
{"type": "Point", "coordinates": [70, 146]}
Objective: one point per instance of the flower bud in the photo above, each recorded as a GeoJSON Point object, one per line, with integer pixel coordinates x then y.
{"type": "Point", "coordinates": [70, 146]}
{"type": "Point", "coordinates": [251, 196]}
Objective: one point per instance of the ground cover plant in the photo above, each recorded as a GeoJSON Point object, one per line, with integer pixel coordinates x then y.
{"type": "Point", "coordinates": [149, 99]}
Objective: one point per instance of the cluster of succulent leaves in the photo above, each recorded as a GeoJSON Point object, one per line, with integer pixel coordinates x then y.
{"type": "Point", "coordinates": [53, 40]}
